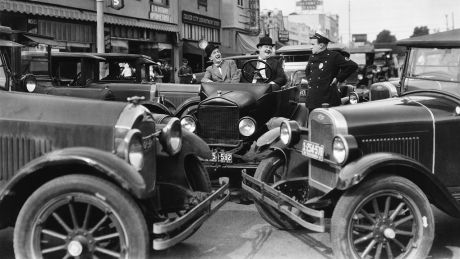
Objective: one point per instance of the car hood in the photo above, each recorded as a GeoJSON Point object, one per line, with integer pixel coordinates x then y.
{"type": "Point", "coordinates": [394, 115]}
{"type": "Point", "coordinates": [61, 121]}
{"type": "Point", "coordinates": [242, 99]}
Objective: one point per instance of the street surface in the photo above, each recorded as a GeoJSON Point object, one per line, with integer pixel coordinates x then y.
{"type": "Point", "coordinates": [237, 231]}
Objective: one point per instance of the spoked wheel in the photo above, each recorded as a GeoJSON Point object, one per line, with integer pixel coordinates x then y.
{"type": "Point", "coordinates": [387, 217]}
{"type": "Point", "coordinates": [270, 171]}
{"type": "Point", "coordinates": [80, 216]}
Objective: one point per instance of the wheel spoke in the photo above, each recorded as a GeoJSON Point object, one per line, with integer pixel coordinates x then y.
{"type": "Point", "coordinates": [368, 248]}
{"type": "Point", "coordinates": [99, 223]}
{"type": "Point", "coordinates": [404, 233]}
{"type": "Point", "coordinates": [366, 215]}
{"type": "Point", "coordinates": [388, 250]}
{"type": "Point", "coordinates": [61, 222]}
{"type": "Point", "coordinates": [87, 214]}
{"type": "Point", "coordinates": [66, 256]}
{"type": "Point", "coordinates": [364, 227]}
{"type": "Point", "coordinates": [73, 215]}
{"type": "Point", "coordinates": [387, 206]}
{"type": "Point", "coordinates": [363, 238]}
{"type": "Point", "coordinates": [53, 234]}
{"type": "Point", "coordinates": [107, 252]}
{"type": "Point", "coordinates": [375, 205]}
{"type": "Point", "coordinates": [54, 249]}
{"type": "Point", "coordinates": [109, 236]}
{"type": "Point", "coordinates": [397, 210]}
{"type": "Point", "coordinates": [404, 220]}
{"type": "Point", "coordinates": [403, 248]}
{"type": "Point", "coordinates": [378, 251]}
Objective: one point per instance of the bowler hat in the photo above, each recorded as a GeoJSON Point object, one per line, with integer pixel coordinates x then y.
{"type": "Point", "coordinates": [320, 38]}
{"type": "Point", "coordinates": [265, 41]}
{"type": "Point", "coordinates": [209, 48]}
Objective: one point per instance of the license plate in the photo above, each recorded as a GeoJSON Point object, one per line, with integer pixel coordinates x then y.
{"type": "Point", "coordinates": [303, 92]}
{"type": "Point", "coordinates": [313, 150]}
{"type": "Point", "coordinates": [221, 157]}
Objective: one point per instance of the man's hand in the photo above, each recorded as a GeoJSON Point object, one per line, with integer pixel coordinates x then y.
{"type": "Point", "coordinates": [334, 81]}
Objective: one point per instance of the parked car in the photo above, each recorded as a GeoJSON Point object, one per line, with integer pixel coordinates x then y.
{"type": "Point", "coordinates": [84, 178]}
{"type": "Point", "coordinates": [374, 168]}
{"type": "Point", "coordinates": [364, 57]}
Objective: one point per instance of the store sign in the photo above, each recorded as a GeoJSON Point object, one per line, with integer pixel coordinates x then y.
{"type": "Point", "coordinates": [193, 18]}
{"type": "Point", "coordinates": [309, 4]}
{"type": "Point", "coordinates": [117, 4]}
{"type": "Point", "coordinates": [160, 13]}
{"type": "Point", "coordinates": [283, 36]}
{"type": "Point", "coordinates": [359, 37]}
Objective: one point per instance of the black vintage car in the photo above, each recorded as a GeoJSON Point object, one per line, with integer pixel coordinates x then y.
{"type": "Point", "coordinates": [373, 168]}
{"type": "Point", "coordinates": [89, 179]}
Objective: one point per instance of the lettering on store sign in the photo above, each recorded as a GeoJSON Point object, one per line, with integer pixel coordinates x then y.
{"type": "Point", "coordinates": [159, 13]}
{"type": "Point", "coordinates": [197, 19]}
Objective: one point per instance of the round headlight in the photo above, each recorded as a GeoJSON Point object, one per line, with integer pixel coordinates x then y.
{"type": "Point", "coordinates": [285, 133]}
{"type": "Point", "coordinates": [247, 126]}
{"type": "Point", "coordinates": [29, 83]}
{"type": "Point", "coordinates": [188, 123]}
{"type": "Point", "coordinates": [136, 152]}
{"type": "Point", "coordinates": [354, 99]}
{"type": "Point", "coordinates": [171, 137]}
{"type": "Point", "coordinates": [339, 150]}
{"type": "Point", "coordinates": [360, 77]}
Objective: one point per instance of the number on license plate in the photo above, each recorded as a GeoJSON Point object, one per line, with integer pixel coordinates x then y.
{"type": "Point", "coordinates": [303, 93]}
{"type": "Point", "coordinates": [221, 157]}
{"type": "Point", "coordinates": [313, 150]}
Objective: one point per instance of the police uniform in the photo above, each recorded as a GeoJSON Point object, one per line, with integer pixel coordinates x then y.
{"type": "Point", "coordinates": [321, 69]}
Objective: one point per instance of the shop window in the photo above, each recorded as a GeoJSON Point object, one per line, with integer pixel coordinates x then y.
{"type": "Point", "coordinates": [160, 2]}
{"type": "Point", "coordinates": [2, 75]}
{"type": "Point", "coordinates": [240, 2]}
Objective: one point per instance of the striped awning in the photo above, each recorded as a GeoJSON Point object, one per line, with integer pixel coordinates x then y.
{"type": "Point", "coordinates": [68, 13]}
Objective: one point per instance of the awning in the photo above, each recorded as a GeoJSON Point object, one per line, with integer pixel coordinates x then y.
{"type": "Point", "coordinates": [192, 48]}
{"type": "Point", "coordinates": [69, 13]}
{"type": "Point", "coordinates": [42, 40]}
{"type": "Point", "coordinates": [7, 43]}
{"type": "Point", "coordinates": [246, 44]}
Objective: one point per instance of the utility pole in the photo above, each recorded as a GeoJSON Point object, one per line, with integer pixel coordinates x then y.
{"type": "Point", "coordinates": [349, 23]}
{"type": "Point", "coordinates": [100, 26]}
{"type": "Point", "coordinates": [447, 23]}
{"type": "Point", "coordinates": [453, 23]}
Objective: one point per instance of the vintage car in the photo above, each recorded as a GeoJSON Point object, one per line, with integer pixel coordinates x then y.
{"type": "Point", "coordinates": [373, 168]}
{"type": "Point", "coordinates": [88, 179]}
{"type": "Point", "coordinates": [384, 65]}
{"type": "Point", "coordinates": [364, 57]}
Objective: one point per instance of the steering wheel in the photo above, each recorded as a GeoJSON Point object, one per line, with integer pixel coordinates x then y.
{"type": "Point", "coordinates": [250, 70]}
{"type": "Point", "coordinates": [75, 79]}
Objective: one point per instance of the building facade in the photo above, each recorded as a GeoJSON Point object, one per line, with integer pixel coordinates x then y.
{"type": "Point", "coordinates": [148, 27]}
{"type": "Point", "coordinates": [326, 24]}
{"type": "Point", "coordinates": [272, 23]}
{"type": "Point", "coordinates": [299, 33]}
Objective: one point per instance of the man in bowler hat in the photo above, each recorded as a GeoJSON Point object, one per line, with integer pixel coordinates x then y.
{"type": "Point", "coordinates": [324, 70]}
{"type": "Point", "coordinates": [276, 71]}
{"type": "Point", "coordinates": [224, 71]}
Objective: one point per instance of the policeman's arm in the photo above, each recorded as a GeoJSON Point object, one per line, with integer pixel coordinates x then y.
{"type": "Point", "coordinates": [307, 70]}
{"type": "Point", "coordinates": [346, 67]}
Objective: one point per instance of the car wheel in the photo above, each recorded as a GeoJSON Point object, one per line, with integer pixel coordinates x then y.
{"type": "Point", "coordinates": [80, 216]}
{"type": "Point", "coordinates": [270, 171]}
{"type": "Point", "coordinates": [386, 217]}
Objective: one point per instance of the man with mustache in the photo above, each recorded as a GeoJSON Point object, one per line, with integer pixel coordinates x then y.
{"type": "Point", "coordinates": [276, 71]}
{"type": "Point", "coordinates": [223, 71]}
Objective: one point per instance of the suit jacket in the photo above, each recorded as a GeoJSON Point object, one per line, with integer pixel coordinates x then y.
{"type": "Point", "coordinates": [279, 77]}
{"type": "Point", "coordinates": [230, 73]}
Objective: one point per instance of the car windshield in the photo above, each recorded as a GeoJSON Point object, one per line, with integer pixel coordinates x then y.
{"type": "Point", "coordinates": [434, 64]}
{"type": "Point", "coordinates": [359, 58]}
{"type": "Point", "coordinates": [127, 71]}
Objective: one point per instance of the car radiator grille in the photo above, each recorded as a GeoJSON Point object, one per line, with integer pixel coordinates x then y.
{"type": "Point", "coordinates": [408, 146]}
{"type": "Point", "coordinates": [218, 124]}
{"type": "Point", "coordinates": [379, 93]}
{"type": "Point", "coordinates": [17, 151]}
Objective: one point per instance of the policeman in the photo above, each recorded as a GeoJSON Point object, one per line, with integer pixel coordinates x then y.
{"type": "Point", "coordinates": [324, 70]}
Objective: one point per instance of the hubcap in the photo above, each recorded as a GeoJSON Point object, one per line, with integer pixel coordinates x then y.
{"type": "Point", "coordinates": [389, 233]}
{"type": "Point", "coordinates": [75, 248]}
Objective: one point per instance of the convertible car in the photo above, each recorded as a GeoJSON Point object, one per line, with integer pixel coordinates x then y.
{"type": "Point", "coordinates": [373, 168]}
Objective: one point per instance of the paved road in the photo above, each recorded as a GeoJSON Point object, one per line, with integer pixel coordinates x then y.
{"type": "Point", "coordinates": [237, 231]}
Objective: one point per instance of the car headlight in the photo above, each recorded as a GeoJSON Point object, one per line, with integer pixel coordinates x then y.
{"type": "Point", "coordinates": [344, 148]}
{"type": "Point", "coordinates": [354, 98]}
{"type": "Point", "coordinates": [360, 77]}
{"type": "Point", "coordinates": [131, 149]}
{"type": "Point", "coordinates": [171, 137]}
{"type": "Point", "coordinates": [29, 83]}
{"type": "Point", "coordinates": [289, 132]}
{"type": "Point", "coordinates": [247, 126]}
{"type": "Point", "coordinates": [188, 123]}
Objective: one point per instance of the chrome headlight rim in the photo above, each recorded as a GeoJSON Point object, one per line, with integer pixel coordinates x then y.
{"type": "Point", "coordinates": [360, 76]}
{"type": "Point", "coordinates": [130, 139]}
{"type": "Point", "coordinates": [171, 137]}
{"type": "Point", "coordinates": [253, 126]}
{"type": "Point", "coordinates": [186, 121]}
{"type": "Point", "coordinates": [351, 150]}
{"type": "Point", "coordinates": [353, 98]}
{"type": "Point", "coordinates": [29, 83]}
{"type": "Point", "coordinates": [341, 157]}
{"type": "Point", "coordinates": [289, 132]}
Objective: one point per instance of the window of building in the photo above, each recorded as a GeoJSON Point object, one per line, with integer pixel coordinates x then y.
{"type": "Point", "coordinates": [240, 2]}
{"type": "Point", "coordinates": [160, 2]}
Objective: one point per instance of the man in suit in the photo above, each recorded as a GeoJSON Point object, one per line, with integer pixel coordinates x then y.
{"type": "Point", "coordinates": [324, 70]}
{"type": "Point", "coordinates": [276, 71]}
{"type": "Point", "coordinates": [224, 71]}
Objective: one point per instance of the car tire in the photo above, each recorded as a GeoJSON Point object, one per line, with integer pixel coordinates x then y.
{"type": "Point", "coordinates": [265, 172]}
{"type": "Point", "coordinates": [82, 216]}
{"type": "Point", "coordinates": [382, 216]}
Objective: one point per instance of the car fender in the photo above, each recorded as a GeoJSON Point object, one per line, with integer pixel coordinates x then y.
{"type": "Point", "coordinates": [190, 102]}
{"type": "Point", "coordinates": [268, 137]}
{"type": "Point", "coordinates": [391, 163]}
{"type": "Point", "coordinates": [192, 144]}
{"type": "Point", "coordinates": [104, 163]}
{"type": "Point", "coordinates": [155, 107]}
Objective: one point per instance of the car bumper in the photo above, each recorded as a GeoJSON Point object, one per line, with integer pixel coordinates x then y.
{"type": "Point", "coordinates": [170, 230]}
{"type": "Point", "coordinates": [304, 216]}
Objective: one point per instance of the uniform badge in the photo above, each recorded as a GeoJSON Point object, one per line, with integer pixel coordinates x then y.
{"type": "Point", "coordinates": [320, 65]}
{"type": "Point", "coordinates": [347, 59]}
